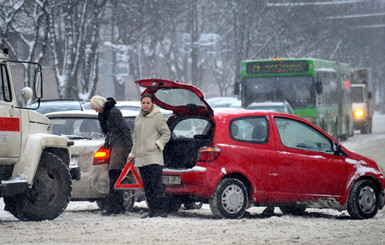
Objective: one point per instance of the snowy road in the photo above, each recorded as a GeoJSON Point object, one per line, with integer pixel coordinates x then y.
{"type": "Point", "coordinates": [82, 223]}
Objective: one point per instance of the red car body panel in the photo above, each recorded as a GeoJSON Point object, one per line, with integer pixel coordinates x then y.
{"type": "Point", "coordinates": [272, 172]}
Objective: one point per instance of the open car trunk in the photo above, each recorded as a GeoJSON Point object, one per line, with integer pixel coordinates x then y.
{"type": "Point", "coordinates": [191, 123]}
{"type": "Point", "coordinates": [188, 135]}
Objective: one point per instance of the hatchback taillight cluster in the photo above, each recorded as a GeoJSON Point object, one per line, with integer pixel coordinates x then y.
{"type": "Point", "coordinates": [102, 156]}
{"type": "Point", "coordinates": [208, 153]}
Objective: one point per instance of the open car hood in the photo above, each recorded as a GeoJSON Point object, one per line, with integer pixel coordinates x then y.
{"type": "Point", "coordinates": [181, 98]}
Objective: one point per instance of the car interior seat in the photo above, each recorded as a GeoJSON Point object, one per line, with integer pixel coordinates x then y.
{"type": "Point", "coordinates": [88, 126]}
{"type": "Point", "coordinates": [59, 129]}
{"type": "Point", "coordinates": [234, 130]}
{"type": "Point", "coordinates": [259, 132]}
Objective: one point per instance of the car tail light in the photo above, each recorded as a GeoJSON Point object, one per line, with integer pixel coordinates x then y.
{"type": "Point", "coordinates": [102, 156]}
{"type": "Point", "coordinates": [208, 153]}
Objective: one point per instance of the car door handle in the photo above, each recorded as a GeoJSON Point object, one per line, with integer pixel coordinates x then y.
{"type": "Point", "coordinates": [287, 163]}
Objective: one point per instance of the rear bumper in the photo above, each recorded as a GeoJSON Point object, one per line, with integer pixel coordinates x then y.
{"type": "Point", "coordinates": [12, 187]}
{"type": "Point", "coordinates": [196, 181]}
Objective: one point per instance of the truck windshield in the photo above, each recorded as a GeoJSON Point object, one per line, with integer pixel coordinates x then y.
{"type": "Point", "coordinates": [357, 94]}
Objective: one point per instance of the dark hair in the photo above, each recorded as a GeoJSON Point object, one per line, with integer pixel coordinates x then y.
{"type": "Point", "coordinates": [147, 96]}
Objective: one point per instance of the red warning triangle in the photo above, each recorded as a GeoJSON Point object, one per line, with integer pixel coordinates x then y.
{"type": "Point", "coordinates": [129, 167]}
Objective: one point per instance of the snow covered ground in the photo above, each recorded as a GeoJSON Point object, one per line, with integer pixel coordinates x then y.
{"type": "Point", "coordinates": [82, 222]}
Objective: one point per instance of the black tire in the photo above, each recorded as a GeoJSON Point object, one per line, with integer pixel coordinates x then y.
{"type": "Point", "coordinates": [50, 192]}
{"type": "Point", "coordinates": [102, 204]}
{"type": "Point", "coordinates": [230, 199]}
{"type": "Point", "coordinates": [129, 200]}
{"type": "Point", "coordinates": [297, 210]}
{"type": "Point", "coordinates": [363, 200]}
{"type": "Point", "coordinates": [189, 205]}
{"type": "Point", "coordinates": [173, 204]}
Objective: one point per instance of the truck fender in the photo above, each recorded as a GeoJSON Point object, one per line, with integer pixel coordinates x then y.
{"type": "Point", "coordinates": [26, 167]}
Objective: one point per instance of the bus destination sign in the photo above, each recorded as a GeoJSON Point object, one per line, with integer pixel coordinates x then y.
{"type": "Point", "coordinates": [289, 66]}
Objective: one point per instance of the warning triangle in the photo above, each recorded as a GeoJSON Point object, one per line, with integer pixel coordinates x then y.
{"type": "Point", "coordinates": [127, 169]}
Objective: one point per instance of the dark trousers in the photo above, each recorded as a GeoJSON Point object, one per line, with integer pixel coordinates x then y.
{"type": "Point", "coordinates": [115, 198]}
{"type": "Point", "coordinates": [154, 188]}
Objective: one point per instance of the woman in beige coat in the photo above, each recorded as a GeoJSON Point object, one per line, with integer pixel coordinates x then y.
{"type": "Point", "coordinates": [151, 135]}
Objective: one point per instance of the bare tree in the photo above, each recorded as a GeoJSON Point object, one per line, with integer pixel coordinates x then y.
{"type": "Point", "coordinates": [73, 36]}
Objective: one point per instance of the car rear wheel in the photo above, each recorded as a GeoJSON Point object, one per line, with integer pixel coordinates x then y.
{"type": "Point", "coordinates": [129, 199]}
{"type": "Point", "coordinates": [363, 200]}
{"type": "Point", "coordinates": [293, 210]}
{"type": "Point", "coordinates": [230, 199]}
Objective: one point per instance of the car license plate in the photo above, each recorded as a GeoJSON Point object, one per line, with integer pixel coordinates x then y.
{"type": "Point", "coordinates": [171, 180]}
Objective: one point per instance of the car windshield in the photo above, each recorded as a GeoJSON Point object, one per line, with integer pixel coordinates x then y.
{"type": "Point", "coordinates": [82, 127]}
{"type": "Point", "coordinates": [357, 94]}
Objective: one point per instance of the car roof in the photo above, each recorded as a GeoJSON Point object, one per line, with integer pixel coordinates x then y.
{"type": "Point", "coordinates": [86, 113]}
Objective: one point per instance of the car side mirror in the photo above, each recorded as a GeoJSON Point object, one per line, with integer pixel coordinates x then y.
{"type": "Point", "coordinates": [338, 150]}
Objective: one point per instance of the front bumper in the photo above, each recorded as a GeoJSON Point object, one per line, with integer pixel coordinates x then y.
{"type": "Point", "coordinates": [12, 187]}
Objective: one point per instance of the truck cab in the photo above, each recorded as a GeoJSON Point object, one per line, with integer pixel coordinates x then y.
{"type": "Point", "coordinates": [362, 100]}
{"type": "Point", "coordinates": [33, 162]}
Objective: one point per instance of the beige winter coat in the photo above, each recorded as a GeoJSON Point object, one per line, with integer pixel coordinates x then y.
{"type": "Point", "coordinates": [151, 135]}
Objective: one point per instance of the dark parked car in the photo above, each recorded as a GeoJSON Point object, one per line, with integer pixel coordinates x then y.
{"type": "Point", "coordinates": [239, 158]}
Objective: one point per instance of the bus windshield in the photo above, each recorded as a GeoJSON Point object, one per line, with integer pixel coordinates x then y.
{"type": "Point", "coordinates": [299, 91]}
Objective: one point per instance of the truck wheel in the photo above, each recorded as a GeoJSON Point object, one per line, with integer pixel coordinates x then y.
{"type": "Point", "coordinates": [230, 199]}
{"type": "Point", "coordinates": [50, 192]}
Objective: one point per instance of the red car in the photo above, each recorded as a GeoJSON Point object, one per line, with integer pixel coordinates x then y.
{"type": "Point", "coordinates": [239, 158]}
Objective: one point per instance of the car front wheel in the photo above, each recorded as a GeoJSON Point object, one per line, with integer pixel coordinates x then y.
{"type": "Point", "coordinates": [363, 200]}
{"type": "Point", "coordinates": [230, 199]}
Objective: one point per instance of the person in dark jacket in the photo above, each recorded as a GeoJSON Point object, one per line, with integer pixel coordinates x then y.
{"type": "Point", "coordinates": [118, 139]}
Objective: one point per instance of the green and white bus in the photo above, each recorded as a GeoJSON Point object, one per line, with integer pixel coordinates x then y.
{"type": "Point", "coordinates": [318, 90]}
